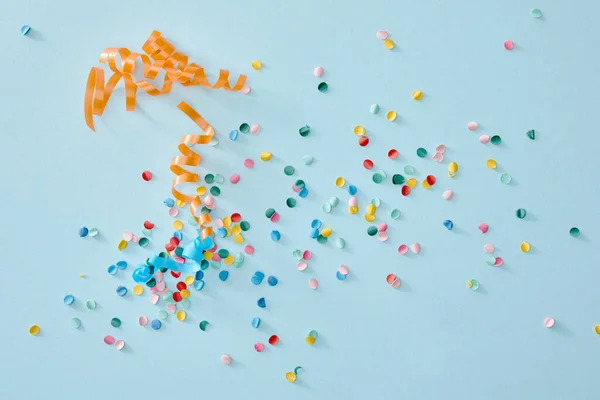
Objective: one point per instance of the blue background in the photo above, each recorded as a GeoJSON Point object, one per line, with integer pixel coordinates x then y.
{"type": "Point", "coordinates": [433, 337]}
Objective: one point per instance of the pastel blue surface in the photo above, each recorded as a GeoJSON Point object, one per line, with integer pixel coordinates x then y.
{"type": "Point", "coordinates": [433, 338]}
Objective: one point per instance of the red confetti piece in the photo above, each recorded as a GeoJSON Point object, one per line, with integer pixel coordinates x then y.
{"type": "Point", "coordinates": [393, 153]}
{"type": "Point", "coordinates": [273, 340]}
{"type": "Point", "coordinates": [368, 164]}
{"type": "Point", "coordinates": [236, 217]}
{"type": "Point", "coordinates": [405, 190]}
{"type": "Point", "coordinates": [148, 225]}
{"type": "Point", "coordinates": [181, 285]}
{"type": "Point", "coordinates": [177, 297]}
{"type": "Point", "coordinates": [431, 180]}
{"type": "Point", "coordinates": [146, 175]}
{"type": "Point", "coordinates": [175, 274]}
{"type": "Point", "coordinates": [363, 141]}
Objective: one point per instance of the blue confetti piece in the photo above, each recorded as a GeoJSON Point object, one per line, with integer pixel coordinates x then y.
{"type": "Point", "coordinates": [222, 232]}
{"type": "Point", "coordinates": [83, 232]}
{"type": "Point", "coordinates": [233, 134]}
{"type": "Point", "coordinates": [340, 276]}
{"type": "Point", "coordinates": [25, 29]}
{"type": "Point", "coordinates": [178, 235]}
{"type": "Point", "coordinates": [198, 285]}
{"type": "Point", "coordinates": [223, 275]}
{"type": "Point", "coordinates": [272, 281]}
{"type": "Point", "coordinates": [169, 202]}
{"type": "Point", "coordinates": [255, 322]}
{"type": "Point", "coordinates": [141, 274]}
{"type": "Point", "coordinates": [315, 224]}
{"type": "Point", "coordinates": [275, 236]}
{"type": "Point", "coordinates": [259, 274]}
{"type": "Point", "coordinates": [122, 265]}
{"type": "Point", "coordinates": [352, 190]}
{"type": "Point", "coordinates": [448, 224]}
{"type": "Point", "coordinates": [257, 278]}
{"type": "Point", "coordinates": [303, 192]}
{"type": "Point", "coordinates": [199, 275]}
{"type": "Point", "coordinates": [261, 302]}
{"type": "Point", "coordinates": [314, 233]}
{"type": "Point", "coordinates": [113, 270]}
{"type": "Point", "coordinates": [155, 324]}
{"type": "Point", "coordinates": [69, 299]}
{"type": "Point", "coordinates": [121, 291]}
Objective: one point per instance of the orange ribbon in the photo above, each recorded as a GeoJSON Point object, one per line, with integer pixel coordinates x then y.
{"type": "Point", "coordinates": [160, 55]}
{"type": "Point", "coordinates": [190, 158]}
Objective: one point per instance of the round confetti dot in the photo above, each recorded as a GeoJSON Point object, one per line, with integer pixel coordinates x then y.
{"type": "Point", "coordinates": [490, 260]}
{"type": "Point", "coordinates": [483, 227]}
{"type": "Point", "coordinates": [417, 95]}
{"type": "Point", "coordinates": [119, 344]}
{"type": "Point", "coordinates": [275, 236]}
{"type": "Point", "coordinates": [272, 281]}
{"type": "Point", "coordinates": [90, 305]}
{"type": "Point", "coordinates": [381, 34]}
{"type": "Point", "coordinates": [256, 65]}
{"type": "Point", "coordinates": [178, 225]}
{"type": "Point", "coordinates": [409, 170]}
{"type": "Point", "coordinates": [416, 248]}
{"type": "Point", "coordinates": [318, 71]}
{"type": "Point", "coordinates": [344, 270]}
{"type": "Point", "coordinates": [75, 322]}
{"type": "Point", "coordinates": [597, 329]}
{"type": "Point", "coordinates": [488, 248]}
{"type": "Point", "coordinates": [143, 320]}
{"type": "Point", "coordinates": [310, 340]}
{"type": "Point", "coordinates": [421, 152]}
{"type": "Point", "coordinates": [244, 128]}
{"type": "Point", "coordinates": [110, 340]}
{"type": "Point", "coordinates": [235, 178]}
{"type": "Point", "coordinates": [340, 182]}
{"type": "Point", "coordinates": [225, 359]}
{"type": "Point", "coordinates": [265, 156]}
{"type": "Point", "coordinates": [391, 116]}
{"type": "Point", "coordinates": [290, 377]}
{"type": "Point", "coordinates": [395, 214]}
{"type": "Point", "coordinates": [323, 87]}
{"type": "Point", "coordinates": [326, 208]}
{"type": "Point", "coordinates": [248, 163]}
{"type": "Point", "coordinates": [363, 141]}
{"type": "Point", "coordinates": [382, 236]}
{"type": "Point", "coordinates": [155, 324]}
{"type": "Point", "coordinates": [83, 232]}
{"type": "Point", "coordinates": [498, 261]}
{"type": "Point", "coordinates": [496, 139]}
{"type": "Point", "coordinates": [290, 202]}
{"type": "Point", "coordinates": [359, 130]}
{"type": "Point", "coordinates": [326, 232]}
{"type": "Point", "coordinates": [302, 265]}
{"type": "Point", "coordinates": [368, 164]}
{"type": "Point", "coordinates": [334, 201]}
{"type": "Point", "coordinates": [509, 44]}
{"type": "Point", "coordinates": [181, 315]}
{"type": "Point", "coordinates": [521, 213]}
{"type": "Point", "coordinates": [374, 109]}
{"type": "Point", "coordinates": [473, 284]}
{"type": "Point", "coordinates": [536, 13]}
{"type": "Point", "coordinates": [393, 154]}
{"type": "Point", "coordinates": [69, 300]}
{"type": "Point", "coordinates": [25, 29]}
{"type": "Point", "coordinates": [255, 129]}
{"type": "Point", "coordinates": [525, 247]}
{"type": "Point", "coordinates": [308, 160]}
{"type": "Point", "coordinates": [273, 340]}
{"type": "Point", "coordinates": [438, 157]}
{"type": "Point", "coordinates": [448, 194]}
{"type": "Point", "coordinates": [233, 134]}
{"type": "Point", "coordinates": [173, 211]}
{"type": "Point", "coordinates": [491, 164]}
{"type": "Point", "coordinates": [472, 126]}
{"type": "Point", "coordinates": [377, 177]}
{"type": "Point", "coordinates": [405, 190]}
{"type": "Point", "coordinates": [393, 281]}
{"type": "Point", "coordinates": [389, 44]}
{"type": "Point", "coordinates": [448, 224]}
{"type": "Point", "coordinates": [34, 330]}
{"type": "Point", "coordinates": [115, 322]}
{"type": "Point", "coordinates": [340, 243]}
{"type": "Point", "coordinates": [146, 175]}
{"type": "Point", "coordinates": [259, 347]}
{"type": "Point", "coordinates": [548, 322]}
{"type": "Point", "coordinates": [574, 232]}
{"type": "Point", "coordinates": [505, 178]}
{"type": "Point", "coordinates": [313, 283]}
{"type": "Point", "coordinates": [121, 291]}
{"type": "Point", "coordinates": [289, 170]}
{"type": "Point", "coordinates": [484, 139]}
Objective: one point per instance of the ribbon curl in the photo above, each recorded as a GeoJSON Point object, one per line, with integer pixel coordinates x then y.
{"type": "Point", "coordinates": [160, 55]}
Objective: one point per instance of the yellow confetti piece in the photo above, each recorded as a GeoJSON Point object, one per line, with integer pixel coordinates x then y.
{"type": "Point", "coordinates": [122, 245]}
{"type": "Point", "coordinates": [389, 44]}
{"type": "Point", "coordinates": [290, 377]}
{"type": "Point", "coordinates": [597, 329]}
{"type": "Point", "coordinates": [256, 65]}
{"type": "Point", "coordinates": [208, 255]}
{"type": "Point", "coordinates": [417, 95]}
{"type": "Point", "coordinates": [201, 190]}
{"type": "Point", "coordinates": [228, 232]}
{"type": "Point", "coordinates": [353, 209]}
{"type": "Point", "coordinates": [453, 167]}
{"type": "Point", "coordinates": [138, 290]}
{"type": "Point", "coordinates": [227, 222]}
{"type": "Point", "coordinates": [326, 232]}
{"type": "Point", "coordinates": [236, 229]}
{"type": "Point", "coordinates": [178, 225]}
{"type": "Point", "coordinates": [340, 182]}
{"type": "Point", "coordinates": [359, 130]}
{"type": "Point", "coordinates": [181, 315]}
{"type": "Point", "coordinates": [411, 183]}
{"type": "Point", "coordinates": [228, 260]}
{"type": "Point", "coordinates": [425, 184]}
{"type": "Point", "coordinates": [265, 156]}
{"type": "Point", "coordinates": [239, 239]}
{"type": "Point", "coordinates": [369, 217]}
{"type": "Point", "coordinates": [310, 340]}
{"type": "Point", "coordinates": [491, 164]}
{"type": "Point", "coordinates": [180, 203]}
{"type": "Point", "coordinates": [34, 330]}
{"type": "Point", "coordinates": [185, 293]}
{"type": "Point", "coordinates": [371, 208]}
{"type": "Point", "coordinates": [189, 280]}
{"type": "Point", "coordinates": [391, 116]}
{"type": "Point", "coordinates": [525, 247]}
{"type": "Point", "coordinates": [82, 275]}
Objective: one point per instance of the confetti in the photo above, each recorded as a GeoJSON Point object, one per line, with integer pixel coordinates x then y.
{"type": "Point", "coordinates": [393, 281]}
{"type": "Point", "coordinates": [417, 95]}
{"type": "Point", "coordinates": [548, 322]}
{"type": "Point", "coordinates": [521, 213]}
{"type": "Point", "coordinates": [146, 175]}
{"type": "Point", "coordinates": [374, 109]}
{"type": "Point", "coordinates": [536, 13]}
{"type": "Point", "coordinates": [531, 134]}
{"type": "Point", "coordinates": [389, 44]}
{"type": "Point", "coordinates": [448, 194]}
{"type": "Point", "coordinates": [525, 247]}
{"type": "Point", "coordinates": [472, 126]}
{"type": "Point", "coordinates": [484, 139]}
{"type": "Point", "coordinates": [226, 359]}
{"type": "Point", "coordinates": [323, 87]}
{"type": "Point", "coordinates": [304, 131]}
{"type": "Point", "coordinates": [509, 45]}
{"type": "Point", "coordinates": [25, 29]}
{"type": "Point", "coordinates": [391, 116]}
{"type": "Point", "coordinates": [473, 284]}
{"type": "Point", "coordinates": [69, 300]}
{"type": "Point", "coordinates": [318, 71]}
{"type": "Point", "coordinates": [381, 34]}
{"type": "Point", "coordinates": [574, 232]}
{"type": "Point", "coordinates": [256, 65]}
{"type": "Point", "coordinates": [34, 330]}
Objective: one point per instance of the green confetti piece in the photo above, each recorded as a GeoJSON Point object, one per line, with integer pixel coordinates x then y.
{"type": "Point", "coordinates": [340, 243]}
{"type": "Point", "coordinates": [223, 253]}
{"type": "Point", "coordinates": [505, 178]}
{"type": "Point", "coordinates": [209, 178]}
{"type": "Point", "coordinates": [334, 201]}
{"type": "Point", "coordinates": [321, 239]}
{"type": "Point", "coordinates": [75, 322]}
{"type": "Point", "coordinates": [269, 213]}
{"type": "Point", "coordinates": [374, 108]}
{"type": "Point", "coordinates": [291, 202]}
{"type": "Point", "coordinates": [323, 87]}
{"type": "Point", "coordinates": [536, 13]}
{"type": "Point", "coordinates": [372, 230]}
{"type": "Point", "coordinates": [326, 208]}
{"type": "Point", "coordinates": [574, 232]}
{"type": "Point", "coordinates": [521, 213]}
{"type": "Point", "coordinates": [144, 242]}
{"type": "Point", "coordinates": [298, 254]}
{"type": "Point", "coordinates": [376, 202]}
{"type": "Point", "coordinates": [203, 325]}
{"type": "Point", "coordinates": [531, 134]}
{"type": "Point", "coordinates": [300, 184]}
{"type": "Point", "coordinates": [245, 225]}
{"type": "Point", "coordinates": [398, 179]}
{"type": "Point", "coordinates": [409, 170]}
{"type": "Point", "coordinates": [496, 140]}
{"type": "Point", "coordinates": [395, 214]}
{"type": "Point", "coordinates": [377, 177]}
{"type": "Point", "coordinates": [421, 152]}
{"type": "Point", "coordinates": [215, 191]}
{"type": "Point", "coordinates": [115, 322]}
{"type": "Point", "coordinates": [244, 128]}
{"type": "Point", "coordinates": [490, 259]}
{"type": "Point", "coordinates": [304, 131]}
{"type": "Point", "coordinates": [289, 170]}
{"type": "Point", "coordinates": [308, 160]}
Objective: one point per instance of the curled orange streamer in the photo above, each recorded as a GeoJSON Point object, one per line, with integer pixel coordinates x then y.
{"type": "Point", "coordinates": [160, 55]}
{"type": "Point", "coordinates": [191, 159]}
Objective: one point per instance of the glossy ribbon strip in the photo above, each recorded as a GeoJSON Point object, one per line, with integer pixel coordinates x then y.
{"type": "Point", "coordinates": [160, 55]}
